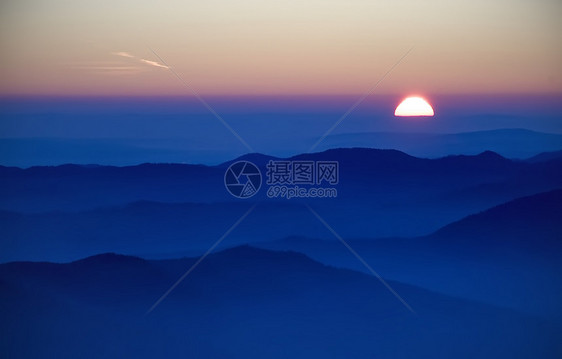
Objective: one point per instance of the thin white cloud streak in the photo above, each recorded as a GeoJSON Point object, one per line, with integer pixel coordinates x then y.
{"type": "Point", "coordinates": [131, 65]}
{"type": "Point", "coordinates": [143, 61]}
{"type": "Point", "coordinates": [123, 54]}
{"type": "Point", "coordinates": [153, 63]}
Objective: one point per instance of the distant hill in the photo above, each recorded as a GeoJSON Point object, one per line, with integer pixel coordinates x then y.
{"type": "Point", "coordinates": [532, 223]}
{"type": "Point", "coordinates": [546, 156]}
{"type": "Point", "coordinates": [199, 148]}
{"type": "Point", "coordinates": [511, 143]}
{"type": "Point", "coordinates": [245, 303]}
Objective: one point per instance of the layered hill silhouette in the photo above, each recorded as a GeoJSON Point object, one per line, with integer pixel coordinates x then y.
{"type": "Point", "coordinates": [245, 303]}
{"type": "Point", "coordinates": [78, 187]}
{"type": "Point", "coordinates": [507, 255]}
{"type": "Point", "coordinates": [68, 212]}
{"type": "Point", "coordinates": [504, 252]}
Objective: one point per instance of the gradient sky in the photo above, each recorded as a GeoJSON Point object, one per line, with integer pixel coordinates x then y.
{"type": "Point", "coordinates": [101, 47]}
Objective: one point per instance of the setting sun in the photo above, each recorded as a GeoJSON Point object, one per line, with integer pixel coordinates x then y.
{"type": "Point", "coordinates": [414, 106]}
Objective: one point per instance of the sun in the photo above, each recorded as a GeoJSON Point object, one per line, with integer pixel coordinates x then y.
{"type": "Point", "coordinates": [414, 106]}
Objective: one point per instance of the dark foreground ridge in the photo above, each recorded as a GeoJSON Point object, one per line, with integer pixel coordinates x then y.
{"type": "Point", "coordinates": [245, 303]}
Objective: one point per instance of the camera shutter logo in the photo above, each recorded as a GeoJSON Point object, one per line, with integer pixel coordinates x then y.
{"type": "Point", "coordinates": [242, 179]}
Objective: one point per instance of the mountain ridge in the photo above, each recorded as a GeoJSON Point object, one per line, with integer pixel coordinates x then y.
{"type": "Point", "coordinates": [250, 307]}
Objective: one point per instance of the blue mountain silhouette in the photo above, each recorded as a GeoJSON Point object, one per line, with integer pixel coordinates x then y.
{"type": "Point", "coordinates": [68, 212]}
{"type": "Point", "coordinates": [532, 223]}
{"type": "Point", "coordinates": [507, 255]}
{"type": "Point", "coordinates": [245, 303]}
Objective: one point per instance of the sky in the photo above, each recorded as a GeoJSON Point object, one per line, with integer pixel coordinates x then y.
{"type": "Point", "coordinates": [251, 47]}
{"type": "Point", "coordinates": [113, 81]}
